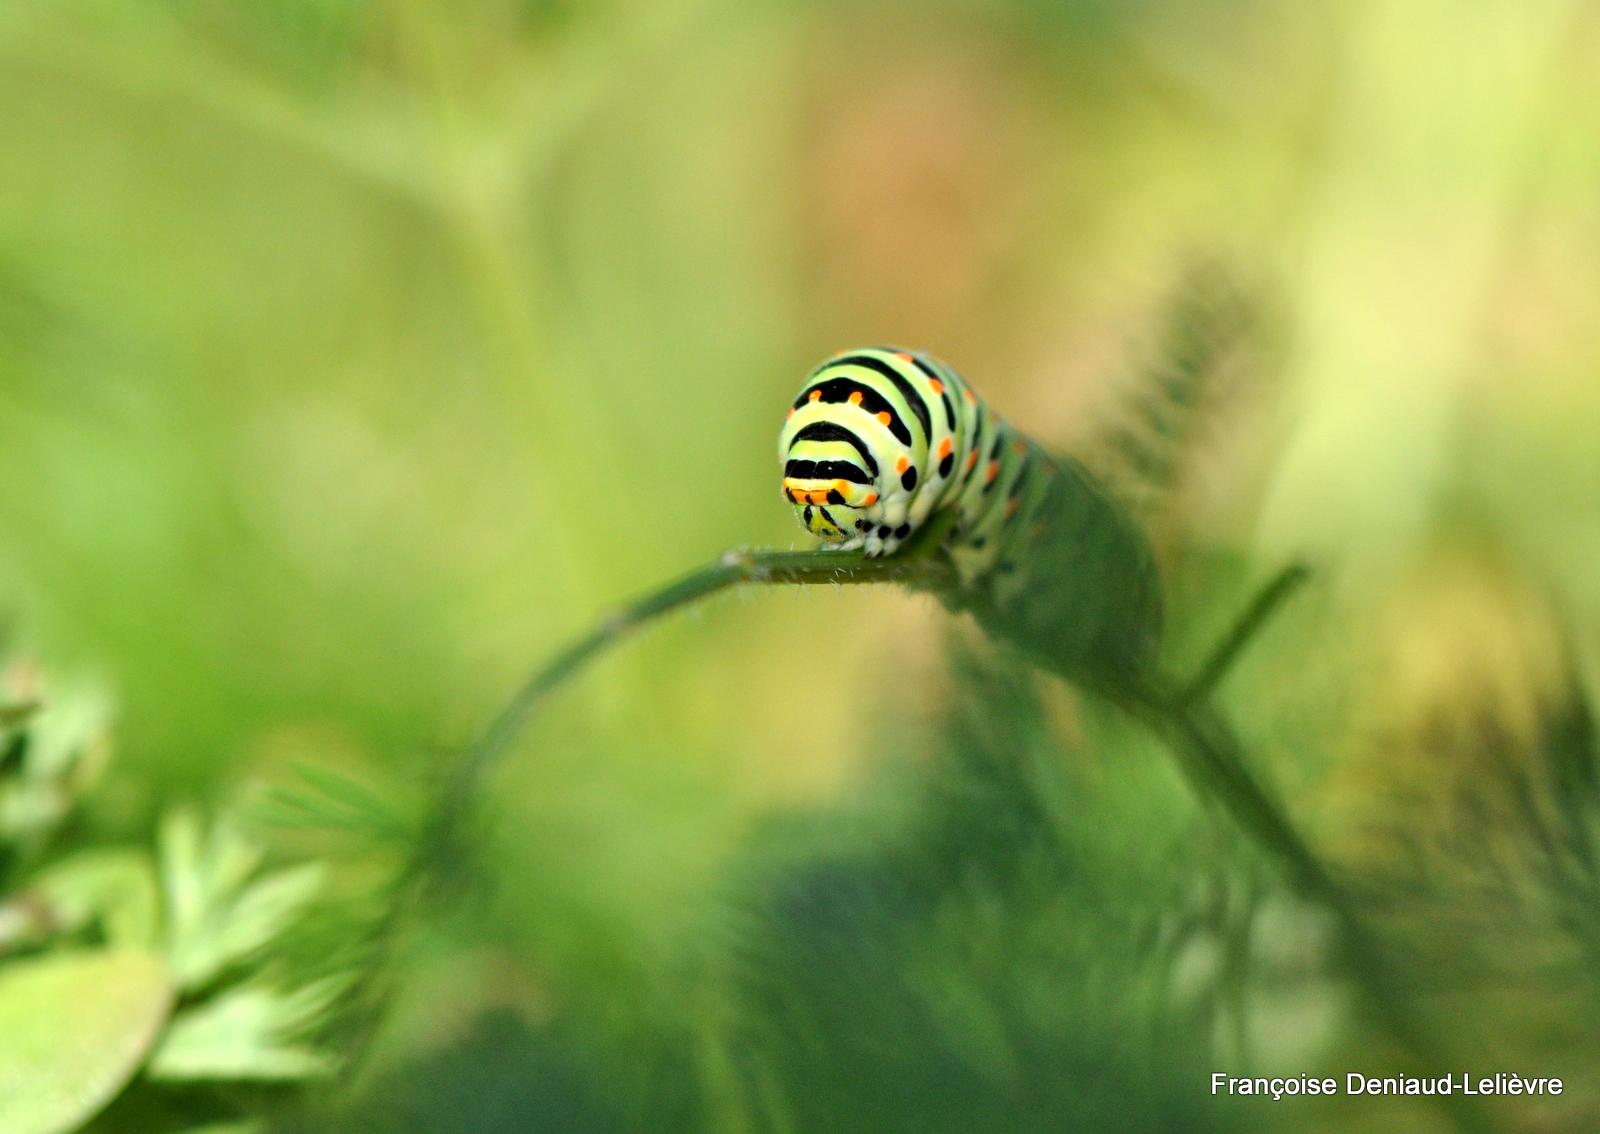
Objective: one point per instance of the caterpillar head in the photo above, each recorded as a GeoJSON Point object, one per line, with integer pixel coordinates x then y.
{"type": "Point", "coordinates": [832, 473]}
{"type": "Point", "coordinates": [832, 508]}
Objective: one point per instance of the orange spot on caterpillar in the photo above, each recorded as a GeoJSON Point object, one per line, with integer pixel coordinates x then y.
{"type": "Point", "coordinates": [972, 459]}
{"type": "Point", "coordinates": [944, 448]}
{"type": "Point", "coordinates": [884, 418]}
{"type": "Point", "coordinates": [938, 386]}
{"type": "Point", "coordinates": [815, 394]}
{"type": "Point", "coordinates": [855, 398]}
{"type": "Point", "coordinates": [788, 415]}
{"type": "Point", "coordinates": [1019, 446]}
{"type": "Point", "coordinates": [902, 356]}
{"type": "Point", "coordinates": [971, 401]}
{"type": "Point", "coordinates": [872, 498]}
{"type": "Point", "coordinates": [901, 465]}
{"type": "Point", "coordinates": [989, 474]}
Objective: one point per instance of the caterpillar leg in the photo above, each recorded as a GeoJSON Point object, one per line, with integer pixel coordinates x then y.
{"type": "Point", "coordinates": [890, 528]}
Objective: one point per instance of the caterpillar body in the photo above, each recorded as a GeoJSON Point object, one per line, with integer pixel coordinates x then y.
{"type": "Point", "coordinates": [881, 440]}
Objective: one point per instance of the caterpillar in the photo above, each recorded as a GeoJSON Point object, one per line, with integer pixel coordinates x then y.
{"type": "Point", "coordinates": [880, 440]}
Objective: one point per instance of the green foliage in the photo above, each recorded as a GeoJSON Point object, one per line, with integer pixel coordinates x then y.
{"type": "Point", "coordinates": [328, 799]}
{"type": "Point", "coordinates": [217, 916]}
{"type": "Point", "coordinates": [1209, 343]}
{"type": "Point", "coordinates": [53, 753]}
{"type": "Point", "coordinates": [74, 1027]}
{"type": "Point", "coordinates": [986, 964]}
{"type": "Point", "coordinates": [130, 962]}
{"type": "Point", "coordinates": [113, 890]}
{"type": "Point", "coordinates": [243, 1033]}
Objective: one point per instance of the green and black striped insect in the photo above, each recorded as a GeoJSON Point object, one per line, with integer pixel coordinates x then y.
{"type": "Point", "coordinates": [883, 441]}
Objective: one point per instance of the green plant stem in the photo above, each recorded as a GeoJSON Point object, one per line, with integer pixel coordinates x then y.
{"type": "Point", "coordinates": [440, 850]}
{"type": "Point", "coordinates": [1279, 589]}
{"type": "Point", "coordinates": [920, 567]}
{"type": "Point", "coordinates": [1209, 754]}
{"type": "Point", "coordinates": [1211, 758]}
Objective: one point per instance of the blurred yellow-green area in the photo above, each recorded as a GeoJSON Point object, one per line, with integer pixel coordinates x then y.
{"type": "Point", "coordinates": [357, 354]}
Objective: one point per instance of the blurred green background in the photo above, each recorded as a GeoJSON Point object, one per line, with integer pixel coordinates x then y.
{"type": "Point", "coordinates": [355, 354]}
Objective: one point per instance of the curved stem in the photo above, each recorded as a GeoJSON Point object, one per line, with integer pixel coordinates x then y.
{"type": "Point", "coordinates": [919, 564]}
{"type": "Point", "coordinates": [915, 567]}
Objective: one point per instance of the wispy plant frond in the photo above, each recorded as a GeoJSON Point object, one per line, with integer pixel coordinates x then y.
{"type": "Point", "coordinates": [335, 800]}
{"type": "Point", "coordinates": [1204, 344]}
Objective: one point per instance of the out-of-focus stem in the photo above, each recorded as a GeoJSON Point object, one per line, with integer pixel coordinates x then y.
{"type": "Point", "coordinates": [1267, 600]}
{"type": "Point", "coordinates": [1212, 760]}
{"type": "Point", "coordinates": [921, 567]}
